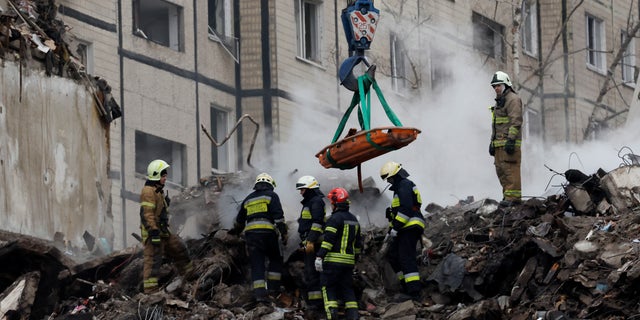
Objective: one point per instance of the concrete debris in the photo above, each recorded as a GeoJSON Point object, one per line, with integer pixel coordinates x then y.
{"type": "Point", "coordinates": [30, 31]}
{"type": "Point", "coordinates": [544, 259]}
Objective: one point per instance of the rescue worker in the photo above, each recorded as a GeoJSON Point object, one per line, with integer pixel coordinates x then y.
{"type": "Point", "coordinates": [262, 219]}
{"type": "Point", "coordinates": [310, 228]}
{"type": "Point", "coordinates": [154, 226]}
{"type": "Point", "coordinates": [406, 225]}
{"type": "Point", "coordinates": [337, 256]}
{"type": "Point", "coordinates": [506, 138]}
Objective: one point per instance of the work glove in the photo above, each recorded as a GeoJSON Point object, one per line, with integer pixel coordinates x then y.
{"type": "Point", "coordinates": [492, 150]}
{"type": "Point", "coordinates": [318, 264]}
{"type": "Point", "coordinates": [388, 213]}
{"type": "Point", "coordinates": [309, 247]}
{"type": "Point", "coordinates": [510, 146]}
{"type": "Point", "coordinates": [390, 235]}
{"type": "Point", "coordinates": [154, 235]}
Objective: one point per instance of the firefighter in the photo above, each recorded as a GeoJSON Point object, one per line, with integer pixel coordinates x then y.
{"type": "Point", "coordinates": [262, 219]}
{"type": "Point", "coordinates": [154, 226]}
{"type": "Point", "coordinates": [310, 227]}
{"type": "Point", "coordinates": [406, 225]}
{"type": "Point", "coordinates": [506, 138]}
{"type": "Point", "coordinates": [337, 256]}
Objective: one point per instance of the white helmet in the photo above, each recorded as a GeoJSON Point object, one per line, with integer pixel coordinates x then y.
{"type": "Point", "coordinates": [264, 177]}
{"type": "Point", "coordinates": [155, 168]}
{"type": "Point", "coordinates": [501, 77]}
{"type": "Point", "coordinates": [307, 182]}
{"type": "Point", "coordinates": [389, 170]}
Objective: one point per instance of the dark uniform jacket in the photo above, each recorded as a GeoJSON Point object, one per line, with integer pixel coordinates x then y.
{"type": "Point", "coordinates": [261, 211]}
{"type": "Point", "coordinates": [405, 206]}
{"type": "Point", "coordinates": [342, 239]}
{"type": "Point", "coordinates": [311, 220]}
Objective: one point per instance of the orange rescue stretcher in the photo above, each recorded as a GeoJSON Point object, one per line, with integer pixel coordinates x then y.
{"type": "Point", "coordinates": [358, 147]}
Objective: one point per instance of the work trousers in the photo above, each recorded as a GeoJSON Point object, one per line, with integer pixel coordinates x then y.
{"type": "Point", "coordinates": [171, 246]}
{"type": "Point", "coordinates": [265, 257]}
{"type": "Point", "coordinates": [508, 171]}
{"type": "Point", "coordinates": [402, 258]}
{"type": "Point", "coordinates": [312, 279]}
{"type": "Point", "coordinates": [337, 284]}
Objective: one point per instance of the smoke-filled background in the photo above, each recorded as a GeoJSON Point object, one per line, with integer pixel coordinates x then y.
{"type": "Point", "coordinates": [449, 160]}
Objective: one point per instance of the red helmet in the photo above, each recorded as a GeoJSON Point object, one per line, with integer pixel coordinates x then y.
{"type": "Point", "coordinates": [338, 195]}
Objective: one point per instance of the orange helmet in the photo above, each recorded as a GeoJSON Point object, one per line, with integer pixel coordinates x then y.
{"type": "Point", "coordinates": [338, 195]}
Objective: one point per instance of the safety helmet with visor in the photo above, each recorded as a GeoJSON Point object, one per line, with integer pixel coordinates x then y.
{"type": "Point", "coordinates": [156, 169]}
{"type": "Point", "coordinates": [501, 78]}
{"type": "Point", "coordinates": [307, 182]}
{"type": "Point", "coordinates": [265, 177]}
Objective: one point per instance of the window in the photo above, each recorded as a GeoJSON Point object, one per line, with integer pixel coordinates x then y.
{"type": "Point", "coordinates": [219, 130]}
{"type": "Point", "coordinates": [84, 52]}
{"type": "Point", "coordinates": [530, 28]}
{"type": "Point", "coordinates": [441, 74]}
{"type": "Point", "coordinates": [628, 60]}
{"type": "Point", "coordinates": [149, 148]}
{"type": "Point", "coordinates": [221, 26]}
{"type": "Point", "coordinates": [308, 23]}
{"type": "Point", "coordinates": [532, 124]}
{"type": "Point", "coordinates": [595, 43]}
{"type": "Point", "coordinates": [487, 36]}
{"type": "Point", "coordinates": [398, 64]}
{"type": "Point", "coordinates": [158, 21]}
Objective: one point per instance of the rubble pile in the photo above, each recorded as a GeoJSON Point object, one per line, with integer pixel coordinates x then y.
{"type": "Point", "coordinates": [559, 257]}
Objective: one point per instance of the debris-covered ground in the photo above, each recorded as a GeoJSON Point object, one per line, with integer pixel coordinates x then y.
{"type": "Point", "coordinates": [567, 256]}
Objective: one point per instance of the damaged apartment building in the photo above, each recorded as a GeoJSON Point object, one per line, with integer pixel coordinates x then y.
{"type": "Point", "coordinates": [177, 67]}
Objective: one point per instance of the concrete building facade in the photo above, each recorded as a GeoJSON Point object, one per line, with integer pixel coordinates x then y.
{"type": "Point", "coordinates": [178, 66]}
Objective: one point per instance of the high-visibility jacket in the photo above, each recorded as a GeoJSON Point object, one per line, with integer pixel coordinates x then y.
{"type": "Point", "coordinates": [312, 216]}
{"type": "Point", "coordinates": [152, 208]}
{"type": "Point", "coordinates": [405, 206]}
{"type": "Point", "coordinates": [506, 119]}
{"type": "Point", "coordinates": [262, 211]}
{"type": "Point", "coordinates": [342, 239]}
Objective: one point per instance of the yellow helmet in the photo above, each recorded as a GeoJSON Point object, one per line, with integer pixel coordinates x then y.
{"type": "Point", "coordinates": [264, 177]}
{"type": "Point", "coordinates": [307, 182]}
{"type": "Point", "coordinates": [389, 170]}
{"type": "Point", "coordinates": [155, 168]}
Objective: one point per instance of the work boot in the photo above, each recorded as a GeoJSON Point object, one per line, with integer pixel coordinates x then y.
{"type": "Point", "coordinates": [402, 297]}
{"type": "Point", "coordinates": [509, 203]}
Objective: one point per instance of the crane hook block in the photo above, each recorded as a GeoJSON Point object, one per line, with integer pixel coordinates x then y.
{"type": "Point", "coordinates": [359, 21]}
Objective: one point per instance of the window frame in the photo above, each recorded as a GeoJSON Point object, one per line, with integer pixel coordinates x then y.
{"type": "Point", "coordinates": [485, 28]}
{"type": "Point", "coordinates": [628, 61]}
{"type": "Point", "coordinates": [595, 45]}
{"type": "Point", "coordinates": [227, 149]}
{"type": "Point", "coordinates": [172, 37]}
{"type": "Point", "coordinates": [149, 147]}
{"type": "Point", "coordinates": [529, 28]}
{"type": "Point", "coordinates": [226, 30]}
{"type": "Point", "coordinates": [309, 47]}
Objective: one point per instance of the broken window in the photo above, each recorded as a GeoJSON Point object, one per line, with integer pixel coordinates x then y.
{"type": "Point", "coordinates": [398, 64]}
{"type": "Point", "coordinates": [150, 147]}
{"type": "Point", "coordinates": [487, 36]}
{"type": "Point", "coordinates": [219, 129]}
{"type": "Point", "coordinates": [220, 18]}
{"type": "Point", "coordinates": [530, 28]}
{"type": "Point", "coordinates": [532, 123]}
{"type": "Point", "coordinates": [628, 60]}
{"type": "Point", "coordinates": [84, 52]}
{"type": "Point", "coordinates": [308, 23]}
{"type": "Point", "coordinates": [158, 21]}
{"type": "Point", "coordinates": [595, 43]}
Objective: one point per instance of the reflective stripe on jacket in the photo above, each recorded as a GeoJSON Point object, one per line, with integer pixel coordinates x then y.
{"type": "Point", "coordinates": [506, 119]}
{"type": "Point", "coordinates": [342, 238]}
{"type": "Point", "coordinates": [406, 205]}
{"type": "Point", "coordinates": [312, 215]}
{"type": "Point", "coordinates": [261, 210]}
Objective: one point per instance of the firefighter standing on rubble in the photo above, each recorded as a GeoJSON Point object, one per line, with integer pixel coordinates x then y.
{"type": "Point", "coordinates": [156, 236]}
{"type": "Point", "coordinates": [506, 138]}
{"type": "Point", "coordinates": [337, 256]}
{"type": "Point", "coordinates": [406, 225]}
{"type": "Point", "coordinates": [262, 219]}
{"type": "Point", "coordinates": [310, 227]}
